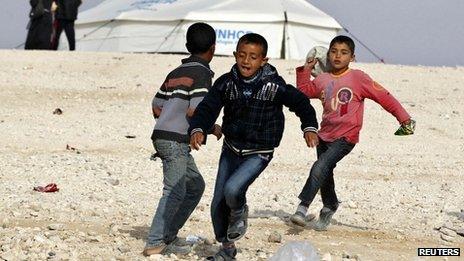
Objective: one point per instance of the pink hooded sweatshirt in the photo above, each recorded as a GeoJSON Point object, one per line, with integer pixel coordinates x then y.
{"type": "Point", "coordinates": [343, 97]}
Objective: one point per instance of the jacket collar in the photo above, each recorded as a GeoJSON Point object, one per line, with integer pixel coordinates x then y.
{"type": "Point", "coordinates": [193, 58]}
{"type": "Point", "coordinates": [266, 73]}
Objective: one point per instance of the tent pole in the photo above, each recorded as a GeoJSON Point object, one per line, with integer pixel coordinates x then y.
{"type": "Point", "coordinates": [282, 51]}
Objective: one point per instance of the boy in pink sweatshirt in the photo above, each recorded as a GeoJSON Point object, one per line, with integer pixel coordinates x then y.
{"type": "Point", "coordinates": [342, 92]}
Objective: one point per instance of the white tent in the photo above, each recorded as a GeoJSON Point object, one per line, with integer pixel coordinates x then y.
{"type": "Point", "coordinates": [291, 27]}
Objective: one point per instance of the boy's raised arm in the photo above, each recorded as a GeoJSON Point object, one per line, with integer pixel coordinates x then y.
{"type": "Point", "coordinates": [303, 80]}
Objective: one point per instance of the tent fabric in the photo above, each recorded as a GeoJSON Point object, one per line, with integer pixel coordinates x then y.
{"type": "Point", "coordinates": [160, 25]}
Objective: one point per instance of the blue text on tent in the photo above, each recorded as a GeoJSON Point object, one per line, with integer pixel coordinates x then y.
{"type": "Point", "coordinates": [228, 34]}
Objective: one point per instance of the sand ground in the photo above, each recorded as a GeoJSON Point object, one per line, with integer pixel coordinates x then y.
{"type": "Point", "coordinates": [397, 193]}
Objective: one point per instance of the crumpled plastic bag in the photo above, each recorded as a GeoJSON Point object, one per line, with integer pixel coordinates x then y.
{"type": "Point", "coordinates": [406, 129]}
{"type": "Point", "coordinates": [296, 251]}
{"type": "Point", "coordinates": [320, 54]}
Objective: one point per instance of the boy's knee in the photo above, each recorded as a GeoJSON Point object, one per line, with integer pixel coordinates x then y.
{"type": "Point", "coordinates": [231, 192]}
{"type": "Point", "coordinates": [318, 171]}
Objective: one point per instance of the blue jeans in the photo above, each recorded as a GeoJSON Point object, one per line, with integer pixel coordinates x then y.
{"type": "Point", "coordinates": [321, 174]}
{"type": "Point", "coordinates": [183, 187]}
{"type": "Point", "coordinates": [235, 174]}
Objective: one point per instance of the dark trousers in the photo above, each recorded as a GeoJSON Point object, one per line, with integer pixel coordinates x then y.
{"type": "Point", "coordinates": [235, 174]}
{"type": "Point", "coordinates": [68, 27]}
{"type": "Point", "coordinates": [321, 174]}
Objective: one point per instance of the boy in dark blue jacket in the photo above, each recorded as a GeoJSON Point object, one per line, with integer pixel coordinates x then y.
{"type": "Point", "coordinates": [253, 95]}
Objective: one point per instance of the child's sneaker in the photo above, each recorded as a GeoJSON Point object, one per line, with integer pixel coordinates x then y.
{"type": "Point", "coordinates": [224, 255]}
{"type": "Point", "coordinates": [177, 249]}
{"type": "Point", "coordinates": [298, 219]}
{"type": "Point", "coordinates": [325, 216]}
{"type": "Point", "coordinates": [168, 249]}
{"type": "Point", "coordinates": [238, 226]}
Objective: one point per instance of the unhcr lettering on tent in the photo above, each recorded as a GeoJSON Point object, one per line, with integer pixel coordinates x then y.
{"type": "Point", "coordinates": [229, 36]}
{"type": "Point", "coordinates": [147, 5]}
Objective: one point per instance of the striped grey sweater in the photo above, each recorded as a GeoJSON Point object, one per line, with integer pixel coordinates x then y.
{"type": "Point", "coordinates": [183, 89]}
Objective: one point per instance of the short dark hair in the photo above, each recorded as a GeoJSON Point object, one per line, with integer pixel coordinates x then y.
{"type": "Point", "coordinates": [200, 37]}
{"type": "Point", "coordinates": [343, 39]}
{"type": "Point", "coordinates": [255, 39]}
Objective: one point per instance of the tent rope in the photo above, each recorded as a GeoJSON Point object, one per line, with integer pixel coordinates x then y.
{"type": "Point", "coordinates": [365, 46]}
{"type": "Point", "coordinates": [96, 29]}
{"type": "Point", "coordinates": [169, 35]}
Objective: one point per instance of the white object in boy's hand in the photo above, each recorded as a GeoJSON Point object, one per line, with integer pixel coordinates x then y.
{"type": "Point", "coordinates": [318, 53]}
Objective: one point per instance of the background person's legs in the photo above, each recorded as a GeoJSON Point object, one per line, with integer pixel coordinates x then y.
{"type": "Point", "coordinates": [68, 26]}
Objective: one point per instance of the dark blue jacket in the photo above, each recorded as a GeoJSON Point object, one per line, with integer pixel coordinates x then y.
{"type": "Point", "coordinates": [253, 116]}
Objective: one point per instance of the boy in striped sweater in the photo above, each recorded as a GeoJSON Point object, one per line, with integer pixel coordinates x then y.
{"type": "Point", "coordinates": [173, 105]}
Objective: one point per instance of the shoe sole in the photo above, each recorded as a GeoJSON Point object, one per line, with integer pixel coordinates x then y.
{"type": "Point", "coordinates": [298, 221]}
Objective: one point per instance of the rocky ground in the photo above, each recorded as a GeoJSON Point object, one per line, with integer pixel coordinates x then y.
{"type": "Point", "coordinates": [397, 193]}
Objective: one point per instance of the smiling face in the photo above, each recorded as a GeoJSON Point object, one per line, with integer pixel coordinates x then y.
{"type": "Point", "coordinates": [249, 58]}
{"type": "Point", "coordinates": [340, 57]}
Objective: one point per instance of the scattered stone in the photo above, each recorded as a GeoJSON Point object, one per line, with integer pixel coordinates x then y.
{"type": "Point", "coordinates": [346, 255]}
{"type": "Point", "coordinates": [58, 111]}
{"type": "Point", "coordinates": [460, 232]}
{"type": "Point", "coordinates": [446, 238]}
{"type": "Point", "coordinates": [55, 226]}
{"type": "Point", "coordinates": [352, 205]}
{"type": "Point", "coordinates": [72, 149]}
{"type": "Point", "coordinates": [275, 198]}
{"type": "Point", "coordinates": [39, 239]}
{"type": "Point", "coordinates": [209, 241]}
{"type": "Point", "coordinates": [275, 237]}
{"type": "Point", "coordinates": [261, 254]}
{"type": "Point", "coordinates": [113, 182]}
{"type": "Point", "coordinates": [461, 215]}
{"type": "Point", "coordinates": [447, 231]}
{"type": "Point", "coordinates": [8, 256]}
{"type": "Point", "coordinates": [123, 249]}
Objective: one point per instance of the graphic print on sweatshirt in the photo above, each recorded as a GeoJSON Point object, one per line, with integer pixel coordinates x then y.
{"type": "Point", "coordinates": [343, 97]}
{"type": "Point", "coordinates": [266, 93]}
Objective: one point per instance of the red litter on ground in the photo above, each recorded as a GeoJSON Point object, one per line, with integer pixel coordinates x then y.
{"type": "Point", "coordinates": [52, 187]}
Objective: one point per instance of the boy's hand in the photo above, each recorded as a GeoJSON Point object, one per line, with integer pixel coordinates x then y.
{"type": "Point", "coordinates": [196, 140]}
{"type": "Point", "coordinates": [310, 64]}
{"type": "Point", "coordinates": [311, 139]}
{"type": "Point", "coordinates": [407, 128]}
{"type": "Point", "coordinates": [217, 131]}
{"type": "Point", "coordinates": [156, 112]}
